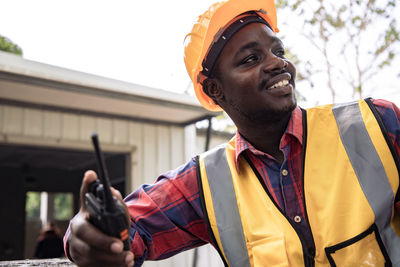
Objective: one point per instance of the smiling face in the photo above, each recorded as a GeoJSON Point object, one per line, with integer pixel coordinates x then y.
{"type": "Point", "coordinates": [253, 79]}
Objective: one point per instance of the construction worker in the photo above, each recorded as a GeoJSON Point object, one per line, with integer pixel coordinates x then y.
{"type": "Point", "coordinates": [294, 187]}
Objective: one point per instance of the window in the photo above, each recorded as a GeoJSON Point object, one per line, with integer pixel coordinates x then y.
{"type": "Point", "coordinates": [32, 207]}
{"type": "Point", "coordinates": [63, 206]}
{"type": "Point", "coordinates": [49, 206]}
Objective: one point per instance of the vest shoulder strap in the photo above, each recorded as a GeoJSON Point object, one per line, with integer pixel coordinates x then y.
{"type": "Point", "coordinates": [387, 138]}
{"type": "Point", "coordinates": [223, 197]}
{"type": "Point", "coordinates": [205, 212]}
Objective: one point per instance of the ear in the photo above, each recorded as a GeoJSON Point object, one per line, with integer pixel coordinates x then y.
{"type": "Point", "coordinates": [213, 88]}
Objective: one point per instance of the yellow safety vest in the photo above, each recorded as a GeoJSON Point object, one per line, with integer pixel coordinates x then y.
{"type": "Point", "coordinates": [350, 180]}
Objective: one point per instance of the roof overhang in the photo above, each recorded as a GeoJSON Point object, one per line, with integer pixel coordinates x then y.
{"type": "Point", "coordinates": [30, 83]}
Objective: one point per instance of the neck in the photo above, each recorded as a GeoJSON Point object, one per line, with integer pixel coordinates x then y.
{"type": "Point", "coordinates": [266, 137]}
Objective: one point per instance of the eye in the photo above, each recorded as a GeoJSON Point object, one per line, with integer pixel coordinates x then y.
{"type": "Point", "coordinates": [280, 53]}
{"type": "Point", "coordinates": [249, 59]}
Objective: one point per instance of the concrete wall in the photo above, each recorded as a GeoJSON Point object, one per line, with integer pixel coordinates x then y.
{"type": "Point", "coordinates": [38, 263]}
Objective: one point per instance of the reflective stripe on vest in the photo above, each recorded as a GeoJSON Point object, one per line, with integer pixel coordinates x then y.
{"type": "Point", "coordinates": [227, 216]}
{"type": "Point", "coordinates": [369, 170]}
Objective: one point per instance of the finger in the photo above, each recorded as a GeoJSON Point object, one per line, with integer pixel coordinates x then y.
{"type": "Point", "coordinates": [102, 259]}
{"type": "Point", "coordinates": [129, 259]}
{"type": "Point", "coordinates": [118, 195]}
{"type": "Point", "coordinates": [79, 251]}
{"type": "Point", "coordinates": [85, 231]}
{"type": "Point", "coordinates": [105, 259]}
{"type": "Point", "coordinates": [85, 255]}
{"type": "Point", "coordinates": [89, 177]}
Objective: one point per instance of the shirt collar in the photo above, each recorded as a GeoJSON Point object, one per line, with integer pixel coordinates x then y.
{"type": "Point", "coordinates": [294, 131]}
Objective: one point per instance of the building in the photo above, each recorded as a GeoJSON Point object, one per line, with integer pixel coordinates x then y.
{"type": "Point", "coordinates": [47, 115]}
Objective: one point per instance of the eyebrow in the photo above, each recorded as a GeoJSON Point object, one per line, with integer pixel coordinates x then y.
{"type": "Point", "coordinates": [254, 44]}
{"type": "Point", "coordinates": [246, 46]}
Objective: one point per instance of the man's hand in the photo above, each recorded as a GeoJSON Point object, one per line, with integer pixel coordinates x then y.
{"type": "Point", "coordinates": [87, 245]}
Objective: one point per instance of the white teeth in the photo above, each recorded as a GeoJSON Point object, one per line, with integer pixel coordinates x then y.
{"type": "Point", "coordinates": [280, 84]}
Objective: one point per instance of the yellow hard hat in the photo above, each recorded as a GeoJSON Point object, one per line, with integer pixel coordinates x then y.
{"type": "Point", "coordinates": [207, 31]}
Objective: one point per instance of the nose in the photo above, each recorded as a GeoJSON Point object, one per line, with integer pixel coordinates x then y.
{"type": "Point", "coordinates": [274, 63]}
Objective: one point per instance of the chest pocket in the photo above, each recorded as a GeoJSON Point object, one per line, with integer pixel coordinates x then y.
{"type": "Point", "coordinates": [365, 249]}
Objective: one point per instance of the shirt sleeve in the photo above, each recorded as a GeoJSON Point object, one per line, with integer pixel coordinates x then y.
{"type": "Point", "coordinates": [166, 217]}
{"type": "Point", "coordinates": [390, 115]}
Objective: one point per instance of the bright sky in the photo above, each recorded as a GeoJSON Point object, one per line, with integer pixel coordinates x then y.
{"type": "Point", "coordinates": [135, 41]}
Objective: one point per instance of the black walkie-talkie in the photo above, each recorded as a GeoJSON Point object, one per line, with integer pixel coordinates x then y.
{"type": "Point", "coordinates": [106, 212]}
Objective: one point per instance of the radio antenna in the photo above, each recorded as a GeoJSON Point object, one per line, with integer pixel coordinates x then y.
{"type": "Point", "coordinates": [103, 175]}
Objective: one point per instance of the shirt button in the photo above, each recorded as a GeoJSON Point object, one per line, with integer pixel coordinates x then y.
{"type": "Point", "coordinates": [297, 218]}
{"type": "Point", "coordinates": [284, 172]}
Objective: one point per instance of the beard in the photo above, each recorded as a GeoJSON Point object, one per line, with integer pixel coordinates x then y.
{"type": "Point", "coordinates": [265, 115]}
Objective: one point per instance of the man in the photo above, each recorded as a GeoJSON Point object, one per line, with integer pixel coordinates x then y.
{"type": "Point", "coordinates": [293, 188]}
{"type": "Point", "coordinates": [49, 243]}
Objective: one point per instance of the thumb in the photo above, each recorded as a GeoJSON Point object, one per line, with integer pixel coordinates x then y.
{"type": "Point", "coordinates": [89, 177]}
{"type": "Point", "coordinates": [118, 195]}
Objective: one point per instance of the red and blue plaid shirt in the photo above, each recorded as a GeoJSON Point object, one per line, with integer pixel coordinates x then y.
{"type": "Point", "coordinates": [167, 215]}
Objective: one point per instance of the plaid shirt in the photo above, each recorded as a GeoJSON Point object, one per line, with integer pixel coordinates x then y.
{"type": "Point", "coordinates": [167, 215]}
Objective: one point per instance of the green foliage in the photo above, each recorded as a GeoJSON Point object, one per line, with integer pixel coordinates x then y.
{"type": "Point", "coordinates": [8, 46]}
{"type": "Point", "coordinates": [353, 40]}
{"type": "Point", "coordinates": [63, 206]}
{"type": "Point", "coordinates": [388, 60]}
{"type": "Point", "coordinates": [281, 3]}
{"type": "Point", "coordinates": [358, 89]}
{"type": "Point", "coordinates": [32, 207]}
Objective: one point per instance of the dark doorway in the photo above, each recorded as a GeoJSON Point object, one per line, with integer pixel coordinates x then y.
{"type": "Point", "coordinates": [26, 169]}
